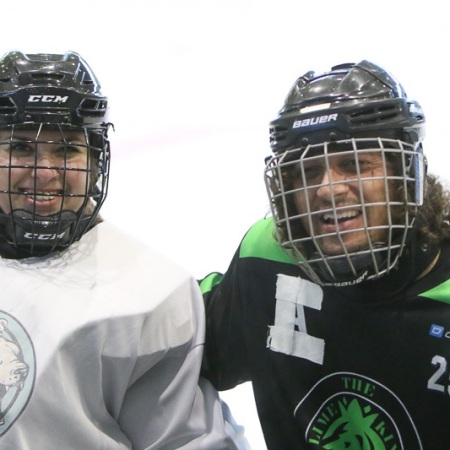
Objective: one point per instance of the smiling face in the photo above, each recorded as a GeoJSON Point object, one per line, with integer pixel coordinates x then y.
{"type": "Point", "coordinates": [42, 173]}
{"type": "Point", "coordinates": [343, 200]}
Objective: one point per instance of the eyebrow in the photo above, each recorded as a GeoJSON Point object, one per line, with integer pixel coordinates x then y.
{"type": "Point", "coordinates": [23, 138]}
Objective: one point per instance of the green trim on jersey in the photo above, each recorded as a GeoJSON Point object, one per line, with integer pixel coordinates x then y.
{"type": "Point", "coordinates": [440, 293]}
{"type": "Point", "coordinates": [207, 284]}
{"type": "Point", "coordinates": [260, 242]}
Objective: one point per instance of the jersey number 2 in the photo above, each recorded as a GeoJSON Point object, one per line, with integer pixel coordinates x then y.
{"type": "Point", "coordinates": [434, 383]}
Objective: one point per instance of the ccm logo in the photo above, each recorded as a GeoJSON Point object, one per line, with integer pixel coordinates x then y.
{"type": "Point", "coordinates": [43, 237]}
{"type": "Point", "coordinates": [47, 98]}
{"type": "Point", "coordinates": [314, 121]}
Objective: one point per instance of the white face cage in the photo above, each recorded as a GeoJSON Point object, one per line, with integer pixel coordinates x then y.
{"type": "Point", "coordinates": [343, 210]}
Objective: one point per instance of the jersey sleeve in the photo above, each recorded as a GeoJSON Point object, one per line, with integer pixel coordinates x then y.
{"type": "Point", "coordinates": [165, 404]}
{"type": "Point", "coordinates": [224, 362]}
{"type": "Point", "coordinates": [227, 302]}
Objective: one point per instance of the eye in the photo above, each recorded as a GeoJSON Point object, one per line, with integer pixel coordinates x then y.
{"type": "Point", "coordinates": [365, 164]}
{"type": "Point", "coordinates": [19, 146]}
{"type": "Point", "coordinates": [354, 166]}
{"type": "Point", "coordinates": [70, 150]}
{"type": "Point", "coordinates": [349, 165]}
{"type": "Point", "coordinates": [21, 149]}
{"type": "Point", "coordinates": [312, 172]}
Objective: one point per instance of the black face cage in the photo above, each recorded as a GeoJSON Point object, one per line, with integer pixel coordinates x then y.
{"type": "Point", "coordinates": [27, 227]}
{"type": "Point", "coordinates": [288, 180]}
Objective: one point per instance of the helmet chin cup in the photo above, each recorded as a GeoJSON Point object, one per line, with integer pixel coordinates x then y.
{"type": "Point", "coordinates": [346, 271]}
{"type": "Point", "coordinates": [31, 230]}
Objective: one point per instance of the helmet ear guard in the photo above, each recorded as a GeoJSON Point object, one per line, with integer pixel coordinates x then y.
{"type": "Point", "coordinates": [360, 107]}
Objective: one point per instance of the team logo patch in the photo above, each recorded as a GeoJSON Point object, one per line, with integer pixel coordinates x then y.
{"type": "Point", "coordinates": [17, 370]}
{"type": "Point", "coordinates": [359, 414]}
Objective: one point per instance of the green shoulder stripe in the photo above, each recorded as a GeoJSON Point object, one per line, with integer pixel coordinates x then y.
{"type": "Point", "coordinates": [207, 284]}
{"type": "Point", "coordinates": [259, 242]}
{"type": "Point", "coordinates": [440, 293]}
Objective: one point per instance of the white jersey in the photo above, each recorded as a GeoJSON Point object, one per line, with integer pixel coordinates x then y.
{"type": "Point", "coordinates": [100, 348]}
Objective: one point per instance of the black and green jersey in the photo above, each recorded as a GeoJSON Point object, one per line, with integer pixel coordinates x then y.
{"type": "Point", "coordinates": [332, 368]}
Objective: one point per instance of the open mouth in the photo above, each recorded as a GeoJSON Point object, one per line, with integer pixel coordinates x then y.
{"type": "Point", "coordinates": [342, 217]}
{"type": "Point", "coordinates": [42, 196]}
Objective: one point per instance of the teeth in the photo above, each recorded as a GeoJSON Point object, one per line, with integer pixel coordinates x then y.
{"type": "Point", "coordinates": [42, 198]}
{"type": "Point", "coordinates": [343, 215]}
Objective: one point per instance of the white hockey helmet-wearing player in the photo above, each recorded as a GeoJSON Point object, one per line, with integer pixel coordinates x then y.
{"type": "Point", "coordinates": [101, 338]}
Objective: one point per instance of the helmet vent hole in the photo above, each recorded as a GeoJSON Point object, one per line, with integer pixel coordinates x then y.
{"type": "Point", "coordinates": [92, 107]}
{"type": "Point", "coordinates": [7, 106]}
{"type": "Point", "coordinates": [278, 133]}
{"type": "Point", "coordinates": [47, 76]}
{"type": "Point", "coordinates": [367, 116]}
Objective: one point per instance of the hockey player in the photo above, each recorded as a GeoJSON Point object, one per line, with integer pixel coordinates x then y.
{"type": "Point", "coordinates": [337, 306]}
{"type": "Point", "coordinates": [101, 339]}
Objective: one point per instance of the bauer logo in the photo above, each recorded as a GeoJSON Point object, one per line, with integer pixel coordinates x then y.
{"type": "Point", "coordinates": [318, 120]}
{"type": "Point", "coordinates": [47, 99]}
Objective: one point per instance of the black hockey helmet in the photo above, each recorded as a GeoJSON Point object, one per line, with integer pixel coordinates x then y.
{"type": "Point", "coordinates": [352, 108]}
{"type": "Point", "coordinates": [49, 88]}
{"type": "Point", "coordinates": [56, 92]}
{"type": "Point", "coordinates": [350, 101]}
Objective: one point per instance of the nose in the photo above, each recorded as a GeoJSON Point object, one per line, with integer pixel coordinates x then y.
{"type": "Point", "coordinates": [46, 168]}
{"type": "Point", "coordinates": [333, 183]}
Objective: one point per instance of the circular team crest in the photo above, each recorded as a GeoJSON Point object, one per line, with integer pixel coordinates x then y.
{"type": "Point", "coordinates": [361, 414]}
{"type": "Point", "coordinates": [17, 370]}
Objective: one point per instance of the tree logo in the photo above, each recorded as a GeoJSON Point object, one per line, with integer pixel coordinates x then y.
{"type": "Point", "coordinates": [349, 411]}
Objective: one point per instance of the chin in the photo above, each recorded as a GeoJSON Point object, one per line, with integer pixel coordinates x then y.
{"type": "Point", "coordinates": [337, 249]}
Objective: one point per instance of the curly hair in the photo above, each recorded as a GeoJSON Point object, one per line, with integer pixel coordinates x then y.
{"type": "Point", "coordinates": [432, 217]}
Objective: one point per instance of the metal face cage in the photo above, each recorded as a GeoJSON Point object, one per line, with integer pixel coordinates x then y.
{"type": "Point", "coordinates": [343, 209]}
{"type": "Point", "coordinates": [53, 182]}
